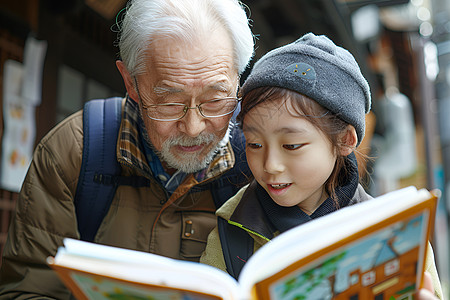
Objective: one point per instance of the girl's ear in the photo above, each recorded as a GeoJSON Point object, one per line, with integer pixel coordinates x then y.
{"type": "Point", "coordinates": [127, 80]}
{"type": "Point", "coordinates": [348, 140]}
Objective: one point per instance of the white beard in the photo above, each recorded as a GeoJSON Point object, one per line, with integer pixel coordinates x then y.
{"type": "Point", "coordinates": [189, 162]}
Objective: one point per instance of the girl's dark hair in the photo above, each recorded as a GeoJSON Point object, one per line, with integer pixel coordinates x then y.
{"type": "Point", "coordinates": [320, 117]}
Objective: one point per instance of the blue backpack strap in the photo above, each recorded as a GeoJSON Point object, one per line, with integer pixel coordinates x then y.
{"type": "Point", "coordinates": [96, 189]}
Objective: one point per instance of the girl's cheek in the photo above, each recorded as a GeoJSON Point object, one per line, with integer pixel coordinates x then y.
{"type": "Point", "coordinates": [254, 162]}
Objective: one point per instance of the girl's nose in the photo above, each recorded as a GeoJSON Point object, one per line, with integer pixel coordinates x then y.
{"type": "Point", "coordinates": [273, 163]}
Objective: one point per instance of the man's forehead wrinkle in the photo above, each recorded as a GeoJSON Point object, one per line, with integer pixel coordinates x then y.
{"type": "Point", "coordinates": [162, 90]}
{"type": "Point", "coordinates": [208, 71]}
{"type": "Point", "coordinates": [191, 65]}
{"type": "Point", "coordinates": [221, 86]}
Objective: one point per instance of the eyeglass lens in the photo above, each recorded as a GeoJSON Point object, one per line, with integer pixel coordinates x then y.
{"type": "Point", "coordinates": [213, 108]}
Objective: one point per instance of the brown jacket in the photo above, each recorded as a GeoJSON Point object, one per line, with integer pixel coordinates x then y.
{"type": "Point", "coordinates": [139, 218]}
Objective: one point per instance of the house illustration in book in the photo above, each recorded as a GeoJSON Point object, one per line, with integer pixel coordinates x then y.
{"type": "Point", "coordinates": [396, 276]}
{"type": "Point", "coordinates": [381, 265]}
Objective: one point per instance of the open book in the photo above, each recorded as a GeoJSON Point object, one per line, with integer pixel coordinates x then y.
{"type": "Point", "coordinates": [371, 250]}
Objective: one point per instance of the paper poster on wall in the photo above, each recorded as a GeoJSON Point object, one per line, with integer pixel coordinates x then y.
{"type": "Point", "coordinates": [33, 62]}
{"type": "Point", "coordinates": [19, 129]}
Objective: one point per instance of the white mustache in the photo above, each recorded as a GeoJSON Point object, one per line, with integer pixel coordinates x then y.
{"type": "Point", "coordinates": [186, 141]}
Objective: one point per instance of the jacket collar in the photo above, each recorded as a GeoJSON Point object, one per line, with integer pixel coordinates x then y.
{"type": "Point", "coordinates": [131, 151]}
{"type": "Point", "coordinates": [250, 214]}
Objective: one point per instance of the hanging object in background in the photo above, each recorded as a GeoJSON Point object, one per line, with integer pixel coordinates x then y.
{"type": "Point", "coordinates": [396, 152]}
{"type": "Point", "coordinates": [33, 64]}
{"type": "Point", "coordinates": [365, 23]}
{"type": "Point", "coordinates": [19, 129]}
{"type": "Point", "coordinates": [22, 90]}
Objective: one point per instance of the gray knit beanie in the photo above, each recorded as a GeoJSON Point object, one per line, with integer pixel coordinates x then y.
{"type": "Point", "coordinates": [315, 67]}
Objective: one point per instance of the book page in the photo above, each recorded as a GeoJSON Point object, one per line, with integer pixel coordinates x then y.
{"type": "Point", "coordinates": [139, 267]}
{"type": "Point", "coordinates": [383, 262]}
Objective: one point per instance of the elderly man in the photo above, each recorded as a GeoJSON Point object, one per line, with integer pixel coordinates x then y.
{"type": "Point", "coordinates": [181, 61]}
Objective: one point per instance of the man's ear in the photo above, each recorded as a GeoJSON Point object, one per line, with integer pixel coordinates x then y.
{"type": "Point", "coordinates": [127, 80]}
{"type": "Point", "coordinates": [348, 140]}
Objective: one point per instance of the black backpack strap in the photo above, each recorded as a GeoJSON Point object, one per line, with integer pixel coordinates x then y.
{"type": "Point", "coordinates": [237, 246]}
{"type": "Point", "coordinates": [101, 122]}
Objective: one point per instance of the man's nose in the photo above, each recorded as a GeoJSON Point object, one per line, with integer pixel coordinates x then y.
{"type": "Point", "coordinates": [193, 123]}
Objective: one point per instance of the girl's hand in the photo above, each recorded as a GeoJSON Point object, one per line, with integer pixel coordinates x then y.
{"type": "Point", "coordinates": [427, 292]}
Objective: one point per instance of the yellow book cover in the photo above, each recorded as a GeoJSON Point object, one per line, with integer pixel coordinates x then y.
{"type": "Point", "coordinates": [371, 250]}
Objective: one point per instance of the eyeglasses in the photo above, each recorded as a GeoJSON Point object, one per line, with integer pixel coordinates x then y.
{"type": "Point", "coordinates": [175, 111]}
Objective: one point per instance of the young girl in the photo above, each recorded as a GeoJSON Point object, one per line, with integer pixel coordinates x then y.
{"type": "Point", "coordinates": [303, 115]}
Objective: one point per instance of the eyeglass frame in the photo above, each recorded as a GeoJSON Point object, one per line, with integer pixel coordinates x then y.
{"type": "Point", "coordinates": [186, 107]}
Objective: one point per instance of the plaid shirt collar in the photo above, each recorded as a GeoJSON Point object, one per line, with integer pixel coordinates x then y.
{"type": "Point", "coordinates": [131, 149]}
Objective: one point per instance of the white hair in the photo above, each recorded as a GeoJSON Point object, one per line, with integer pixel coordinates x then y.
{"type": "Point", "coordinates": [186, 20]}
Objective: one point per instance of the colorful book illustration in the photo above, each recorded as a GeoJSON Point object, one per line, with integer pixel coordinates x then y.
{"type": "Point", "coordinates": [372, 250]}
{"type": "Point", "coordinates": [384, 262]}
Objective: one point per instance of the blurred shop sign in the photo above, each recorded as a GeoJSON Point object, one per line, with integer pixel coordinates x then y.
{"type": "Point", "coordinates": [359, 3]}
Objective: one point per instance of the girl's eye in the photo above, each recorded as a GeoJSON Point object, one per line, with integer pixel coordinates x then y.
{"type": "Point", "coordinates": [292, 146]}
{"type": "Point", "coordinates": [254, 145]}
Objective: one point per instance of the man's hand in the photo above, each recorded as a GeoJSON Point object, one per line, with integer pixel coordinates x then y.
{"type": "Point", "coordinates": [427, 292]}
